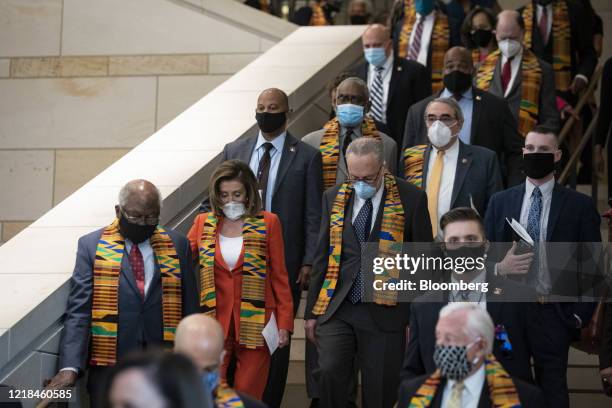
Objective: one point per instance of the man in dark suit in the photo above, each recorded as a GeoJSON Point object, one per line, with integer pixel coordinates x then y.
{"type": "Point", "coordinates": [453, 174]}
{"type": "Point", "coordinates": [200, 338]}
{"type": "Point", "coordinates": [394, 83]}
{"type": "Point", "coordinates": [504, 300]}
{"type": "Point", "coordinates": [488, 120]}
{"type": "Point", "coordinates": [548, 212]}
{"type": "Point", "coordinates": [132, 255]}
{"type": "Point", "coordinates": [466, 367]}
{"type": "Point", "coordinates": [338, 319]}
{"type": "Point", "coordinates": [544, 20]}
{"type": "Point", "coordinates": [289, 172]}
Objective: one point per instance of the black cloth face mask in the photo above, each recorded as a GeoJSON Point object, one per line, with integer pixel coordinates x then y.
{"type": "Point", "coordinates": [457, 82]}
{"type": "Point", "coordinates": [538, 165]}
{"type": "Point", "coordinates": [268, 122]}
{"type": "Point", "coordinates": [482, 37]}
{"type": "Point", "coordinates": [134, 232]}
{"type": "Point", "coordinates": [359, 20]}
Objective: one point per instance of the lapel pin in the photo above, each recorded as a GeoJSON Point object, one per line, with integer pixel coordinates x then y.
{"type": "Point", "coordinates": [292, 149]}
{"type": "Point", "coordinates": [478, 97]}
{"type": "Point", "coordinates": [498, 291]}
{"type": "Point", "coordinates": [399, 68]}
{"type": "Point", "coordinates": [464, 160]}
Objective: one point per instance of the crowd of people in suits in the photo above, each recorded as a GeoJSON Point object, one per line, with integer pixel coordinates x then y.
{"type": "Point", "coordinates": [448, 128]}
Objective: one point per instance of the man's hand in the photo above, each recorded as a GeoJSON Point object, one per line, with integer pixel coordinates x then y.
{"type": "Point", "coordinates": [309, 327]}
{"type": "Point", "coordinates": [63, 379]}
{"type": "Point", "coordinates": [514, 264]}
{"type": "Point", "coordinates": [598, 157]}
{"type": "Point", "coordinates": [283, 337]}
{"type": "Point", "coordinates": [606, 380]}
{"type": "Point", "coordinates": [578, 85]}
{"type": "Point", "coordinates": [568, 111]}
{"type": "Point", "coordinates": [304, 277]}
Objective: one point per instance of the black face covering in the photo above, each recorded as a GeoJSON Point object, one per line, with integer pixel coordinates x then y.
{"type": "Point", "coordinates": [467, 251]}
{"type": "Point", "coordinates": [268, 122]}
{"type": "Point", "coordinates": [538, 165]}
{"type": "Point", "coordinates": [359, 20]}
{"type": "Point", "coordinates": [134, 232]}
{"type": "Point", "coordinates": [457, 82]}
{"type": "Point", "coordinates": [481, 37]}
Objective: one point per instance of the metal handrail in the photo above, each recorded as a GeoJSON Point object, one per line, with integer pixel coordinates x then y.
{"type": "Point", "coordinates": [578, 151]}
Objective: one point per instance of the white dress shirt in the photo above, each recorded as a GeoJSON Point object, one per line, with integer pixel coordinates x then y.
{"type": "Point", "coordinates": [231, 247]}
{"type": "Point", "coordinates": [473, 386]}
{"type": "Point", "coordinates": [549, 13]}
{"type": "Point", "coordinates": [148, 256]}
{"type": "Point", "coordinates": [275, 156]}
{"type": "Point", "coordinates": [447, 181]}
{"type": "Point", "coordinates": [515, 69]}
{"type": "Point", "coordinates": [386, 80]}
{"type": "Point", "coordinates": [376, 199]}
{"type": "Point", "coordinates": [473, 296]}
{"type": "Point", "coordinates": [466, 103]}
{"type": "Point", "coordinates": [428, 26]}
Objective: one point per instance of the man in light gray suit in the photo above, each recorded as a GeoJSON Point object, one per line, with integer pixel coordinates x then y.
{"type": "Point", "coordinates": [453, 173]}
{"type": "Point", "coordinates": [135, 253]}
{"type": "Point", "coordinates": [515, 64]}
{"type": "Point", "coordinates": [289, 176]}
{"type": "Point", "coordinates": [351, 105]}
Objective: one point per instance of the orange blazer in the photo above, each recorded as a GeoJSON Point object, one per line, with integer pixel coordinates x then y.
{"type": "Point", "coordinates": [228, 283]}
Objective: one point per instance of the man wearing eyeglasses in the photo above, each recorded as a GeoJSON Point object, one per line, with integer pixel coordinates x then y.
{"type": "Point", "coordinates": [372, 206]}
{"type": "Point", "coordinates": [453, 173]}
{"type": "Point", "coordinates": [132, 283]}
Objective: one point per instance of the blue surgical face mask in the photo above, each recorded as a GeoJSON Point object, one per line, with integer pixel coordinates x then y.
{"type": "Point", "coordinates": [349, 115]}
{"type": "Point", "coordinates": [364, 190]}
{"type": "Point", "coordinates": [211, 379]}
{"type": "Point", "coordinates": [375, 56]}
{"type": "Point", "coordinates": [424, 7]}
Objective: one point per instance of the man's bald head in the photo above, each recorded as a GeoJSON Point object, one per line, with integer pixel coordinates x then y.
{"type": "Point", "coordinates": [458, 59]}
{"type": "Point", "coordinates": [510, 26]}
{"type": "Point", "coordinates": [377, 36]}
{"type": "Point", "coordinates": [272, 100]}
{"type": "Point", "coordinates": [200, 338]}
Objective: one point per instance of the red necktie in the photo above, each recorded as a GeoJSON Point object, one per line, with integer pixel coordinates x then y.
{"type": "Point", "coordinates": [544, 26]}
{"type": "Point", "coordinates": [506, 74]}
{"type": "Point", "coordinates": [137, 264]}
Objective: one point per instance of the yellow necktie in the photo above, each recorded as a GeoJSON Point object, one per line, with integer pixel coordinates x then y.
{"type": "Point", "coordinates": [433, 189]}
{"type": "Point", "coordinates": [456, 393]}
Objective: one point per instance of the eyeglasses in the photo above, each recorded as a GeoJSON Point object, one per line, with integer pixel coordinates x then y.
{"type": "Point", "coordinates": [142, 220]}
{"type": "Point", "coordinates": [370, 180]}
{"type": "Point", "coordinates": [446, 119]}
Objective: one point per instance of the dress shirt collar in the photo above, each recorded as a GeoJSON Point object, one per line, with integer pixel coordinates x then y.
{"type": "Point", "coordinates": [472, 384]}
{"type": "Point", "coordinates": [451, 152]}
{"type": "Point", "coordinates": [545, 188]}
{"type": "Point", "coordinates": [548, 8]}
{"type": "Point", "coordinates": [466, 95]}
{"type": "Point", "coordinates": [430, 16]}
{"type": "Point", "coordinates": [278, 141]}
{"type": "Point", "coordinates": [356, 130]}
{"type": "Point", "coordinates": [129, 243]}
{"type": "Point", "coordinates": [517, 57]}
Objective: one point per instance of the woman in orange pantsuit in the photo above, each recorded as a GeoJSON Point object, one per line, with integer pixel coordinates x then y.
{"type": "Point", "coordinates": [242, 272]}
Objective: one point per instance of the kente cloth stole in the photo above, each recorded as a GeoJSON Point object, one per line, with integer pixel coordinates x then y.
{"type": "Point", "coordinates": [106, 275]}
{"type": "Point", "coordinates": [502, 390]}
{"type": "Point", "coordinates": [390, 237]}
{"type": "Point", "coordinates": [413, 164]}
{"type": "Point", "coordinates": [439, 42]}
{"type": "Point", "coordinates": [560, 36]}
{"type": "Point", "coordinates": [330, 147]}
{"type": "Point", "coordinates": [226, 397]}
{"type": "Point", "coordinates": [531, 77]}
{"type": "Point", "coordinates": [318, 16]}
{"type": "Point", "coordinates": [254, 270]}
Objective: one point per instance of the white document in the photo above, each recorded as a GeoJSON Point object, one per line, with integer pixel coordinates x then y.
{"type": "Point", "coordinates": [521, 232]}
{"type": "Point", "coordinates": [270, 334]}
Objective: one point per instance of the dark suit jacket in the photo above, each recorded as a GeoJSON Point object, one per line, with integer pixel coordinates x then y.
{"type": "Point", "coordinates": [605, 117]}
{"type": "Point", "coordinates": [417, 228]}
{"type": "Point", "coordinates": [140, 323]}
{"type": "Point", "coordinates": [584, 58]}
{"type": "Point", "coordinates": [409, 84]}
{"type": "Point", "coordinates": [493, 127]}
{"type": "Point", "coordinates": [504, 310]}
{"type": "Point", "coordinates": [296, 199]}
{"type": "Point", "coordinates": [605, 354]}
{"type": "Point", "coordinates": [529, 395]}
{"type": "Point", "coordinates": [477, 176]}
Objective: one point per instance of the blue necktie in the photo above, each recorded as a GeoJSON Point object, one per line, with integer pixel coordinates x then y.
{"type": "Point", "coordinates": [533, 229]}
{"type": "Point", "coordinates": [362, 224]}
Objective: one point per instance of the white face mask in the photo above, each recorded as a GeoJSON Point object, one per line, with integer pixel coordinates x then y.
{"type": "Point", "coordinates": [234, 210]}
{"type": "Point", "coordinates": [439, 134]}
{"type": "Point", "coordinates": [509, 48]}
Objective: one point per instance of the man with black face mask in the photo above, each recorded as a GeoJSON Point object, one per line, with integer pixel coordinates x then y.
{"type": "Point", "coordinates": [488, 120]}
{"type": "Point", "coordinates": [290, 182]}
{"type": "Point", "coordinates": [469, 374]}
{"type": "Point", "coordinates": [549, 212]}
{"type": "Point", "coordinates": [132, 282]}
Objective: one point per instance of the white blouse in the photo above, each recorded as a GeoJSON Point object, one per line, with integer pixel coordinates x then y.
{"type": "Point", "coordinates": [231, 247]}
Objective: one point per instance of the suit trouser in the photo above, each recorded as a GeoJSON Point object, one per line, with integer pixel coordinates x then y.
{"type": "Point", "coordinates": [351, 332]}
{"type": "Point", "coordinates": [97, 378]}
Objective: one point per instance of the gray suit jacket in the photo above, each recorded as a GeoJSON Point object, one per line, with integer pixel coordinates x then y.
{"type": "Point", "coordinates": [296, 199]}
{"type": "Point", "coordinates": [548, 115]}
{"type": "Point", "coordinates": [314, 139]}
{"type": "Point", "coordinates": [477, 177]}
{"type": "Point", "coordinates": [140, 322]}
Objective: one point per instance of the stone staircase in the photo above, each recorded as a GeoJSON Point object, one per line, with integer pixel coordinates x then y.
{"type": "Point", "coordinates": [295, 392]}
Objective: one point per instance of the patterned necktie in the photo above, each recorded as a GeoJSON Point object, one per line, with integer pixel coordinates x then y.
{"type": "Point", "coordinates": [376, 95]}
{"type": "Point", "coordinates": [544, 25]}
{"type": "Point", "coordinates": [433, 190]}
{"type": "Point", "coordinates": [456, 395]}
{"type": "Point", "coordinates": [263, 171]}
{"type": "Point", "coordinates": [533, 229]}
{"type": "Point", "coordinates": [137, 264]}
{"type": "Point", "coordinates": [506, 74]}
{"type": "Point", "coordinates": [362, 225]}
{"type": "Point", "coordinates": [415, 46]}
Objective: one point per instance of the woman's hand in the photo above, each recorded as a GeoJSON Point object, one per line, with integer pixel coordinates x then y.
{"type": "Point", "coordinates": [283, 338]}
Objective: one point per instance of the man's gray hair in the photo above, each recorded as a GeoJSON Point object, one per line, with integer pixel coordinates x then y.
{"type": "Point", "coordinates": [131, 188]}
{"type": "Point", "coordinates": [358, 81]}
{"type": "Point", "coordinates": [450, 102]}
{"type": "Point", "coordinates": [478, 323]}
{"type": "Point", "coordinates": [367, 145]}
